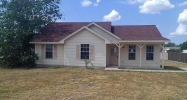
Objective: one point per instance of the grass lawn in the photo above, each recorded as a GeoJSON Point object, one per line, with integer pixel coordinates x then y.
{"type": "Point", "coordinates": [87, 84]}
{"type": "Point", "coordinates": [175, 64]}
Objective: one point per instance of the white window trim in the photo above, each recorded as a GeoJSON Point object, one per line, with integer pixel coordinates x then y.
{"type": "Point", "coordinates": [133, 52]}
{"type": "Point", "coordinates": [150, 52]}
{"type": "Point", "coordinates": [81, 51]}
{"type": "Point", "coordinates": [52, 52]}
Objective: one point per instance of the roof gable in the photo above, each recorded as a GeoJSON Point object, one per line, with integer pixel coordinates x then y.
{"type": "Point", "coordinates": [84, 27]}
{"type": "Point", "coordinates": [109, 32]}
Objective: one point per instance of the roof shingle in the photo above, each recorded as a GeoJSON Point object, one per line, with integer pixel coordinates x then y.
{"type": "Point", "coordinates": [54, 32]}
{"type": "Point", "coordinates": [138, 32]}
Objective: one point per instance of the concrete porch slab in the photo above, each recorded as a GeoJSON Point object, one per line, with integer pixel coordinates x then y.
{"type": "Point", "coordinates": [143, 70]}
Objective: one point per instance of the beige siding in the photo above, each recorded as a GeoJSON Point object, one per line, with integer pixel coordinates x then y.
{"type": "Point", "coordinates": [104, 34]}
{"type": "Point", "coordinates": [59, 59]}
{"type": "Point", "coordinates": [85, 37]}
{"type": "Point", "coordinates": [153, 64]}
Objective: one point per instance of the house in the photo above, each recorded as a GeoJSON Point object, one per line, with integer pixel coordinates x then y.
{"type": "Point", "coordinates": [70, 43]}
{"type": "Point", "coordinates": [184, 51]}
{"type": "Point", "coordinates": [172, 49]}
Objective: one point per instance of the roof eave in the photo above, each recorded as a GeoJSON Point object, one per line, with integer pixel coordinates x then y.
{"type": "Point", "coordinates": [145, 41]}
{"type": "Point", "coordinates": [46, 43]}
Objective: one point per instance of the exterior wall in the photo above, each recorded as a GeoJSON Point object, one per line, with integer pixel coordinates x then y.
{"type": "Point", "coordinates": [152, 64]}
{"type": "Point", "coordinates": [85, 37]}
{"type": "Point", "coordinates": [42, 60]}
{"type": "Point", "coordinates": [104, 34]}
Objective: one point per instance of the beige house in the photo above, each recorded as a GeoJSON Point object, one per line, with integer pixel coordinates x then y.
{"type": "Point", "coordinates": [105, 45]}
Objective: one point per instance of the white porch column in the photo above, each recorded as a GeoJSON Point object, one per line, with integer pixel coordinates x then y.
{"type": "Point", "coordinates": [162, 46]}
{"type": "Point", "coordinates": [140, 46]}
{"type": "Point", "coordinates": [119, 57]}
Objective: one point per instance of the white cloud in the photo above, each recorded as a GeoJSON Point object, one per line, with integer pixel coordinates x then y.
{"type": "Point", "coordinates": [183, 17]}
{"type": "Point", "coordinates": [136, 1]}
{"type": "Point", "coordinates": [183, 4]}
{"type": "Point", "coordinates": [86, 3]}
{"type": "Point", "coordinates": [112, 16]}
{"type": "Point", "coordinates": [97, 3]}
{"type": "Point", "coordinates": [155, 6]}
{"type": "Point", "coordinates": [182, 20]}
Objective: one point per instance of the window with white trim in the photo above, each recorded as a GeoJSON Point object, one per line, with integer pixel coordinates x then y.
{"type": "Point", "coordinates": [85, 48]}
{"type": "Point", "coordinates": [49, 51]}
{"type": "Point", "coordinates": [149, 52]}
{"type": "Point", "coordinates": [132, 52]}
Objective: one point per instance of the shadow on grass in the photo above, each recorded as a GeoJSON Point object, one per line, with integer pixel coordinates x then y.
{"type": "Point", "coordinates": [173, 68]}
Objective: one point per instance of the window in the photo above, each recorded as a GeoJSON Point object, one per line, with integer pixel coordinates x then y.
{"type": "Point", "coordinates": [150, 52]}
{"type": "Point", "coordinates": [85, 51]}
{"type": "Point", "coordinates": [114, 51]}
{"type": "Point", "coordinates": [132, 52]}
{"type": "Point", "coordinates": [49, 51]}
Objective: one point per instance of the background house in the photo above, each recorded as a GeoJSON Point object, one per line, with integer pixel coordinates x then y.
{"type": "Point", "coordinates": [172, 49]}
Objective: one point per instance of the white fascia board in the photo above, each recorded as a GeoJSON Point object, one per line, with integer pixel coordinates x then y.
{"type": "Point", "coordinates": [93, 23]}
{"type": "Point", "coordinates": [144, 41]}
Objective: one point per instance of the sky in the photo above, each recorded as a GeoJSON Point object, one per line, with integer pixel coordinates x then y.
{"type": "Point", "coordinates": [170, 16]}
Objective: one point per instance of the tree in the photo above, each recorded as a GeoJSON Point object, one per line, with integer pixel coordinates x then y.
{"type": "Point", "coordinates": [170, 44]}
{"type": "Point", "coordinates": [183, 46]}
{"type": "Point", "coordinates": [20, 20]}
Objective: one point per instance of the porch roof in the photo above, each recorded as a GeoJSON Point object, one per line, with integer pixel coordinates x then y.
{"type": "Point", "coordinates": [138, 32]}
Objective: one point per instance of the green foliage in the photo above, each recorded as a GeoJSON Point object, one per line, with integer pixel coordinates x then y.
{"type": "Point", "coordinates": [170, 44]}
{"type": "Point", "coordinates": [29, 60]}
{"type": "Point", "coordinates": [183, 46]}
{"type": "Point", "coordinates": [20, 20]}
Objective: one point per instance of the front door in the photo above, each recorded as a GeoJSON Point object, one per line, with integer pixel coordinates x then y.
{"type": "Point", "coordinates": [113, 56]}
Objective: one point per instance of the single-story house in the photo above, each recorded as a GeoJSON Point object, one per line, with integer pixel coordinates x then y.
{"type": "Point", "coordinates": [105, 45]}
{"type": "Point", "coordinates": [172, 49]}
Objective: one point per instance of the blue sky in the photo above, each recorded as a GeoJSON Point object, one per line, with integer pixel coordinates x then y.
{"type": "Point", "coordinates": [170, 16]}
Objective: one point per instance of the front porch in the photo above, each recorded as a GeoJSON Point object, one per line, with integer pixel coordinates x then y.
{"type": "Point", "coordinates": [134, 55]}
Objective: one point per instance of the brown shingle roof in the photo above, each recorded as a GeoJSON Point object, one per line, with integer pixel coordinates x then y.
{"type": "Point", "coordinates": [138, 32]}
{"type": "Point", "coordinates": [55, 32]}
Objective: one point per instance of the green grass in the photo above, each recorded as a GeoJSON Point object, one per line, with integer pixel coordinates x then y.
{"type": "Point", "coordinates": [87, 84]}
{"type": "Point", "coordinates": [173, 68]}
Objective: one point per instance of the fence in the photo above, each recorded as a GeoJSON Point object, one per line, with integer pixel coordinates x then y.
{"type": "Point", "coordinates": [180, 57]}
{"type": "Point", "coordinates": [165, 55]}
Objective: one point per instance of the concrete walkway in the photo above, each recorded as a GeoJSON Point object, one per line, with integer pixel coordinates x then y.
{"type": "Point", "coordinates": [145, 70]}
